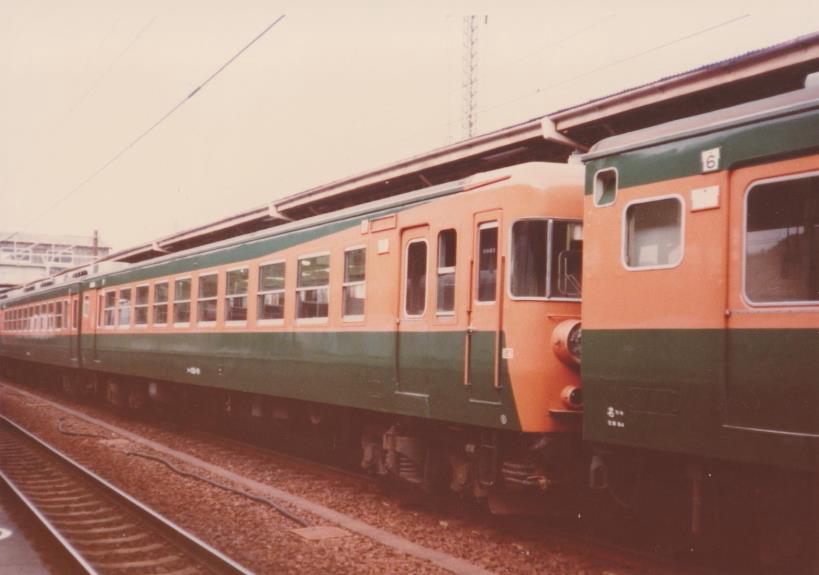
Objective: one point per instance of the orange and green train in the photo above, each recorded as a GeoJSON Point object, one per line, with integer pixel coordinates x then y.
{"type": "Point", "coordinates": [701, 302]}
{"type": "Point", "coordinates": [701, 319]}
{"type": "Point", "coordinates": [433, 310]}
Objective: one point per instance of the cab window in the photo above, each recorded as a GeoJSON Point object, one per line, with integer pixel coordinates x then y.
{"type": "Point", "coordinates": [547, 259]}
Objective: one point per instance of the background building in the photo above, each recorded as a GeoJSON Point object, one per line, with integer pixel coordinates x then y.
{"type": "Point", "coordinates": [27, 257]}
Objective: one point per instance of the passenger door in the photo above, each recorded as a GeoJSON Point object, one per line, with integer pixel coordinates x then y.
{"type": "Point", "coordinates": [485, 311]}
{"type": "Point", "coordinates": [413, 350]}
{"type": "Point", "coordinates": [73, 325]}
{"type": "Point", "coordinates": [772, 340]}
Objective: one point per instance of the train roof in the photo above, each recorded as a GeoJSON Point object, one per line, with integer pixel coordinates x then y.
{"type": "Point", "coordinates": [777, 106]}
{"type": "Point", "coordinates": [528, 174]}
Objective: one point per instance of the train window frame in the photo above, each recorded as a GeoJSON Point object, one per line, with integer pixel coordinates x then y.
{"type": "Point", "coordinates": [448, 271]}
{"type": "Point", "coordinates": [744, 280]}
{"type": "Point", "coordinates": [127, 309]}
{"type": "Point", "coordinates": [307, 320]}
{"type": "Point", "coordinates": [141, 306]}
{"type": "Point", "coordinates": [228, 297]}
{"type": "Point", "coordinates": [601, 195]}
{"type": "Point", "coordinates": [109, 312]}
{"type": "Point", "coordinates": [261, 293]}
{"type": "Point", "coordinates": [510, 254]}
{"type": "Point", "coordinates": [200, 299]}
{"type": "Point", "coordinates": [624, 233]}
{"type": "Point", "coordinates": [178, 302]}
{"type": "Point", "coordinates": [347, 284]}
{"type": "Point", "coordinates": [164, 303]}
{"type": "Point", "coordinates": [405, 278]}
{"type": "Point", "coordinates": [488, 225]}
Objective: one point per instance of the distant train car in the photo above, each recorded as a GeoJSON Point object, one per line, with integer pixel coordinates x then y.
{"type": "Point", "coordinates": [701, 303]}
{"type": "Point", "coordinates": [440, 325]}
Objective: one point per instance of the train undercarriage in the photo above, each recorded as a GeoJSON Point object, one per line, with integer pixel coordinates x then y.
{"type": "Point", "coordinates": [708, 508]}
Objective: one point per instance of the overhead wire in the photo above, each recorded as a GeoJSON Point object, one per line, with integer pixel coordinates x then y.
{"type": "Point", "coordinates": [146, 132]}
{"type": "Point", "coordinates": [581, 75]}
{"type": "Point", "coordinates": [616, 62]}
{"type": "Point", "coordinates": [113, 63]}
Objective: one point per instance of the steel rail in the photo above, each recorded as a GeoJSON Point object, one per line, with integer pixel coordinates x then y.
{"type": "Point", "coordinates": [206, 557]}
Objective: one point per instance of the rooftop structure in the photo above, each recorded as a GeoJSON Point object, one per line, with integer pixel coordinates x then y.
{"type": "Point", "coordinates": [28, 257]}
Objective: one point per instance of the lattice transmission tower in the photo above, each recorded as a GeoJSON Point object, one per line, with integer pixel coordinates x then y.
{"type": "Point", "coordinates": [469, 81]}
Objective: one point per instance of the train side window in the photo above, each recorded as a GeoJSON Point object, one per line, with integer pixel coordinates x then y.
{"type": "Point", "coordinates": [161, 303]}
{"type": "Point", "coordinates": [75, 320]}
{"type": "Point", "coordinates": [445, 292]}
{"type": "Point", "coordinates": [236, 295]}
{"type": "Point", "coordinates": [50, 319]}
{"type": "Point", "coordinates": [124, 307]}
{"type": "Point", "coordinates": [270, 298]}
{"type": "Point", "coordinates": [182, 301]}
{"type": "Point", "coordinates": [415, 292]}
{"type": "Point", "coordinates": [141, 305]}
{"type": "Point", "coordinates": [781, 248]}
{"type": "Point", "coordinates": [110, 309]}
{"type": "Point", "coordinates": [207, 298]}
{"type": "Point", "coordinates": [86, 306]}
{"type": "Point", "coordinates": [605, 187]}
{"type": "Point", "coordinates": [653, 233]}
{"type": "Point", "coordinates": [354, 288]}
{"type": "Point", "coordinates": [58, 315]}
{"type": "Point", "coordinates": [487, 280]}
{"type": "Point", "coordinates": [312, 287]}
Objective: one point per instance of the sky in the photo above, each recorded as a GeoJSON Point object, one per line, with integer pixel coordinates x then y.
{"type": "Point", "coordinates": [333, 89]}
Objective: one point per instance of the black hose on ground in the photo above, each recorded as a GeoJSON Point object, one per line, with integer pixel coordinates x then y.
{"type": "Point", "coordinates": [256, 498]}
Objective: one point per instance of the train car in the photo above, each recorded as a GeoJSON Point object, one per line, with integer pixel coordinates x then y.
{"type": "Point", "coordinates": [439, 328]}
{"type": "Point", "coordinates": [37, 327]}
{"type": "Point", "coordinates": [701, 313]}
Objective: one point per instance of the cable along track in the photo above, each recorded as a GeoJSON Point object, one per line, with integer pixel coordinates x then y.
{"type": "Point", "coordinates": [105, 530]}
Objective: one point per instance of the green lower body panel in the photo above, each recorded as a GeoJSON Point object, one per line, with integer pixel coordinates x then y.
{"type": "Point", "coordinates": [743, 395]}
{"type": "Point", "coordinates": [53, 350]}
{"type": "Point", "coordinates": [420, 374]}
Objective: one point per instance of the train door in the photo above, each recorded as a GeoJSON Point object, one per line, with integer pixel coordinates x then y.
{"type": "Point", "coordinates": [484, 332]}
{"type": "Point", "coordinates": [412, 336]}
{"type": "Point", "coordinates": [772, 320]}
{"type": "Point", "coordinates": [73, 325]}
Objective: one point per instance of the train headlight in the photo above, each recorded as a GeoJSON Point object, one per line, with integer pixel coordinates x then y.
{"type": "Point", "coordinates": [572, 396]}
{"type": "Point", "coordinates": [567, 341]}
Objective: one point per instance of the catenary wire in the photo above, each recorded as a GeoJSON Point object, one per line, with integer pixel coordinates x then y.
{"type": "Point", "coordinates": [145, 133]}
{"type": "Point", "coordinates": [577, 76]}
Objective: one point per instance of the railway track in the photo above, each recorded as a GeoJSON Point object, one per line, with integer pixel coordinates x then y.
{"type": "Point", "coordinates": [101, 527]}
{"type": "Point", "coordinates": [569, 540]}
